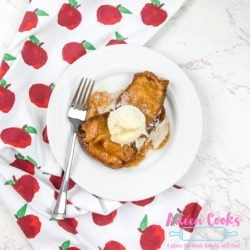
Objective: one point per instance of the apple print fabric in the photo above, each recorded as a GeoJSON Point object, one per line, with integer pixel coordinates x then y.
{"type": "Point", "coordinates": [52, 35]}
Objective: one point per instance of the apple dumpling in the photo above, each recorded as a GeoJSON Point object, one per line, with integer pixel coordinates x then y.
{"type": "Point", "coordinates": [120, 128]}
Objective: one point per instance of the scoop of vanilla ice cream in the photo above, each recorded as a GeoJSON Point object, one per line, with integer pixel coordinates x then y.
{"type": "Point", "coordinates": [126, 124]}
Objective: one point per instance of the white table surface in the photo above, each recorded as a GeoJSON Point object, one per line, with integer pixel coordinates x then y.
{"type": "Point", "coordinates": [210, 41]}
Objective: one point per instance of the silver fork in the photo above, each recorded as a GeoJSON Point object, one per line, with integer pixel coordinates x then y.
{"type": "Point", "coordinates": [76, 114]}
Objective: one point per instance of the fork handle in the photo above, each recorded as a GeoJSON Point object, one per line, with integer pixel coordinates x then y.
{"type": "Point", "coordinates": [60, 207]}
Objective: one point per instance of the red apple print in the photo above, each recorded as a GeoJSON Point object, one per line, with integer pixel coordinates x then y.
{"type": "Point", "coordinates": [102, 220]}
{"type": "Point", "coordinates": [30, 19]}
{"type": "Point", "coordinates": [4, 67]}
{"type": "Point", "coordinates": [113, 245]}
{"type": "Point", "coordinates": [33, 54]}
{"type": "Point", "coordinates": [190, 213]}
{"type": "Point", "coordinates": [144, 202]}
{"type": "Point", "coordinates": [66, 246]}
{"type": "Point", "coordinates": [69, 16]}
{"type": "Point", "coordinates": [7, 97]}
{"type": "Point", "coordinates": [74, 50]}
{"type": "Point", "coordinates": [108, 14]}
{"type": "Point", "coordinates": [45, 135]}
{"type": "Point", "coordinates": [57, 180]}
{"type": "Point", "coordinates": [26, 186]}
{"type": "Point", "coordinates": [30, 224]}
{"type": "Point", "coordinates": [18, 137]}
{"type": "Point", "coordinates": [152, 236]}
{"type": "Point", "coordinates": [119, 39]}
{"type": "Point", "coordinates": [26, 164]}
{"type": "Point", "coordinates": [40, 93]}
{"type": "Point", "coordinates": [69, 224]}
{"type": "Point", "coordinates": [153, 14]}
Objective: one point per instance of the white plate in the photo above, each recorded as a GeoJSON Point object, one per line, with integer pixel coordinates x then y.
{"type": "Point", "coordinates": [113, 68]}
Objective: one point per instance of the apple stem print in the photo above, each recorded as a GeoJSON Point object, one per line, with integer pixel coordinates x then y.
{"type": "Point", "coordinates": [53, 37]}
{"type": "Point", "coordinates": [4, 65]}
{"type": "Point", "coordinates": [7, 97]}
{"type": "Point", "coordinates": [109, 15]}
{"type": "Point", "coordinates": [29, 223]}
{"type": "Point", "coordinates": [33, 54]}
{"type": "Point", "coordinates": [30, 19]}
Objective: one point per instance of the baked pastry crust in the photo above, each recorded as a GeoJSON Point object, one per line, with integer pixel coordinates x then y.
{"type": "Point", "coordinates": [147, 92]}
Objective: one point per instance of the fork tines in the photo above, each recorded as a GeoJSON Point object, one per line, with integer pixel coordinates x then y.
{"type": "Point", "coordinates": [82, 94]}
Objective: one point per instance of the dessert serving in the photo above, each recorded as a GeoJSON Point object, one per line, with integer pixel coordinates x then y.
{"type": "Point", "coordinates": [120, 128]}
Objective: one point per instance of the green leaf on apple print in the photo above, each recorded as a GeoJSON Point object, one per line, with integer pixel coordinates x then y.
{"type": "Point", "coordinates": [34, 39]}
{"type": "Point", "coordinates": [22, 211]}
{"type": "Point", "coordinates": [73, 3]}
{"type": "Point", "coordinates": [9, 182]}
{"type": "Point", "coordinates": [3, 83]}
{"type": "Point", "coordinates": [118, 36]}
{"type": "Point", "coordinates": [124, 10]}
{"type": "Point", "coordinates": [8, 57]}
{"type": "Point", "coordinates": [65, 245]}
{"type": "Point", "coordinates": [19, 156]}
{"type": "Point", "coordinates": [30, 130]}
{"type": "Point", "coordinates": [144, 223]}
{"type": "Point", "coordinates": [41, 13]}
{"type": "Point", "coordinates": [156, 2]}
{"type": "Point", "coordinates": [88, 46]}
{"type": "Point", "coordinates": [31, 160]}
